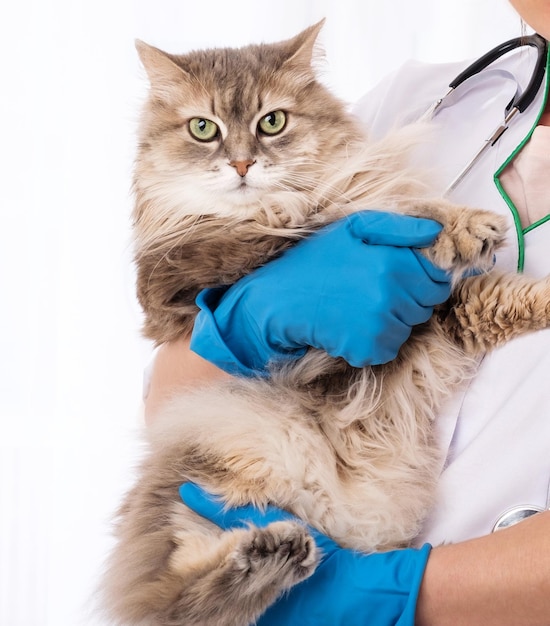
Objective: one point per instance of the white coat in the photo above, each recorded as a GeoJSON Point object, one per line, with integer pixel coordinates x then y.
{"type": "Point", "coordinates": [497, 434]}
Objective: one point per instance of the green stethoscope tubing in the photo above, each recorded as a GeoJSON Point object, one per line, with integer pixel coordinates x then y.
{"type": "Point", "coordinates": [520, 231]}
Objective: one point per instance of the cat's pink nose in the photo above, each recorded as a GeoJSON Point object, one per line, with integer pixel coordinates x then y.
{"type": "Point", "coordinates": [242, 166]}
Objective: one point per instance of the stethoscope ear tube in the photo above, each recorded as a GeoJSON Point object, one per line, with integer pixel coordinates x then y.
{"type": "Point", "coordinates": [538, 75]}
{"type": "Point", "coordinates": [518, 104]}
{"type": "Point", "coordinates": [527, 97]}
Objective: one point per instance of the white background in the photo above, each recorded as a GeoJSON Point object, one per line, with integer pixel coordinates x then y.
{"type": "Point", "coordinates": [71, 356]}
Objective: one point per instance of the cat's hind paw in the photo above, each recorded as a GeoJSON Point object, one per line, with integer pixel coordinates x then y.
{"type": "Point", "coordinates": [283, 552]}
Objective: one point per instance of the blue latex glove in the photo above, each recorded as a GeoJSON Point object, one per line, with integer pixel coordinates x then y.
{"type": "Point", "coordinates": [354, 289]}
{"type": "Point", "coordinates": [347, 588]}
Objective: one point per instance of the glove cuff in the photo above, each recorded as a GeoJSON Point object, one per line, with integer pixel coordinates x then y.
{"type": "Point", "coordinates": [417, 567]}
{"type": "Point", "coordinates": [207, 340]}
{"type": "Point", "coordinates": [385, 585]}
{"type": "Point", "coordinates": [234, 343]}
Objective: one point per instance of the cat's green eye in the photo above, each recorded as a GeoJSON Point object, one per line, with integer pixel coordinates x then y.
{"type": "Point", "coordinates": [203, 129]}
{"type": "Point", "coordinates": [272, 123]}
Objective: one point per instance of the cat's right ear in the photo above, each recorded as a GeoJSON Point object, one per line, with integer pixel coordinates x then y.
{"type": "Point", "coordinates": [301, 49]}
{"type": "Point", "coordinates": [164, 74]}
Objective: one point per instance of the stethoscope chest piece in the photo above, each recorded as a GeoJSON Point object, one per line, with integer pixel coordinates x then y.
{"type": "Point", "coordinates": [514, 515]}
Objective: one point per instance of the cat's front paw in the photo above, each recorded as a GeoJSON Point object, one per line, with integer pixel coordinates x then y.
{"type": "Point", "coordinates": [469, 240]}
{"type": "Point", "coordinates": [283, 552]}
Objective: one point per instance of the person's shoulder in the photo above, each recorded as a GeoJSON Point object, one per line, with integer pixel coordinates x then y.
{"type": "Point", "coordinates": [404, 95]}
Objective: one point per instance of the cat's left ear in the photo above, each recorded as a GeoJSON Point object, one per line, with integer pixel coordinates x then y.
{"type": "Point", "coordinates": [302, 49]}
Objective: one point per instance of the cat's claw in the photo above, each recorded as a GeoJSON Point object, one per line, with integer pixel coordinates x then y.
{"type": "Point", "coordinates": [469, 241]}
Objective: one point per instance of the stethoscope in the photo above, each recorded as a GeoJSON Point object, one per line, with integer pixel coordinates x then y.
{"type": "Point", "coordinates": [519, 103]}
{"type": "Point", "coordinates": [518, 513]}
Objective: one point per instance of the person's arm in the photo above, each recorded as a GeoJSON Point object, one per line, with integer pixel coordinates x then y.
{"type": "Point", "coordinates": [176, 367]}
{"type": "Point", "coordinates": [502, 579]}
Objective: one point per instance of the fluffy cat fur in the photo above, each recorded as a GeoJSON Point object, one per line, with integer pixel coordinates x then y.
{"type": "Point", "coordinates": [348, 450]}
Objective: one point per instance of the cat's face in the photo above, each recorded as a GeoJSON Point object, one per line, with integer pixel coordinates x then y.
{"type": "Point", "coordinates": [225, 130]}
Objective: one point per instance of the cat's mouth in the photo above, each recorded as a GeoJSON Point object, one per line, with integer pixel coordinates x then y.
{"type": "Point", "coordinates": [246, 195]}
{"type": "Point", "coordinates": [244, 187]}
{"type": "Point", "coordinates": [248, 189]}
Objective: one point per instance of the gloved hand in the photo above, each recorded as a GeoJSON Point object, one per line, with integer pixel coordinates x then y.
{"type": "Point", "coordinates": [347, 588]}
{"type": "Point", "coordinates": [353, 289]}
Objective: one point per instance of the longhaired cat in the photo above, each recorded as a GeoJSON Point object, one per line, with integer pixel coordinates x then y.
{"type": "Point", "coordinates": [241, 152]}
